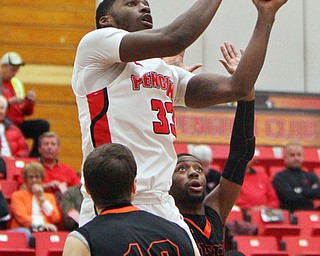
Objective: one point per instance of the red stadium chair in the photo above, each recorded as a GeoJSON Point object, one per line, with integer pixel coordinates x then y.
{"type": "Point", "coordinates": [235, 215]}
{"type": "Point", "coordinates": [50, 243]}
{"type": "Point", "coordinates": [307, 246]}
{"type": "Point", "coordinates": [15, 165]}
{"type": "Point", "coordinates": [276, 229]}
{"type": "Point", "coordinates": [257, 245]}
{"type": "Point", "coordinates": [181, 148]}
{"type": "Point", "coordinates": [316, 171]}
{"type": "Point", "coordinates": [274, 169]}
{"type": "Point", "coordinates": [8, 187]}
{"type": "Point", "coordinates": [216, 167]}
{"type": "Point", "coordinates": [14, 244]}
{"type": "Point", "coordinates": [260, 168]}
{"type": "Point", "coordinates": [309, 221]}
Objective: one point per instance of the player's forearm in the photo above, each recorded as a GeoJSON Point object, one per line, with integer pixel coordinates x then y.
{"type": "Point", "coordinates": [172, 39]}
{"type": "Point", "coordinates": [242, 147]}
{"type": "Point", "coordinates": [242, 144]}
{"type": "Point", "coordinates": [253, 58]}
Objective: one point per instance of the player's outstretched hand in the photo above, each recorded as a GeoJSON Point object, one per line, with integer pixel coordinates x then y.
{"type": "Point", "coordinates": [178, 61]}
{"type": "Point", "coordinates": [231, 57]}
{"type": "Point", "coordinates": [269, 5]}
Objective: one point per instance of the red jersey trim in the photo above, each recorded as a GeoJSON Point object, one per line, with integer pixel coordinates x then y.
{"type": "Point", "coordinates": [98, 104]}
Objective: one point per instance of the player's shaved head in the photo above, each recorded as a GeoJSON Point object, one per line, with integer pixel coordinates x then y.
{"type": "Point", "coordinates": [103, 8]}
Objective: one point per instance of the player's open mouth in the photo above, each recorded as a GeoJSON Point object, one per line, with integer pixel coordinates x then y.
{"type": "Point", "coordinates": [147, 20]}
{"type": "Point", "coordinates": [195, 185]}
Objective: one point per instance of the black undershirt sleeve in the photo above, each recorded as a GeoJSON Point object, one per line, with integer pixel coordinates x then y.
{"type": "Point", "coordinates": [242, 144]}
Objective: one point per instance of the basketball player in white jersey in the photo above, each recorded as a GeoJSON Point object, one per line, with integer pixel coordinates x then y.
{"type": "Point", "coordinates": [125, 92]}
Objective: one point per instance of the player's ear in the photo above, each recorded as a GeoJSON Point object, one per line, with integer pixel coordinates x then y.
{"type": "Point", "coordinates": [106, 21]}
{"type": "Point", "coordinates": [134, 187]}
{"type": "Point", "coordinates": [87, 190]}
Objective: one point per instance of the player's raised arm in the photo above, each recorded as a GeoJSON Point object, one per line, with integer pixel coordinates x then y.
{"type": "Point", "coordinates": [209, 89]}
{"type": "Point", "coordinates": [169, 40]}
{"type": "Point", "coordinates": [242, 145]}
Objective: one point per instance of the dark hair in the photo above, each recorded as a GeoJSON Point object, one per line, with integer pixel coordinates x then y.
{"type": "Point", "coordinates": [103, 8]}
{"type": "Point", "coordinates": [186, 154]}
{"type": "Point", "coordinates": [109, 173]}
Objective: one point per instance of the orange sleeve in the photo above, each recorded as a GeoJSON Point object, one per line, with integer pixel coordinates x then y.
{"type": "Point", "coordinates": [21, 209]}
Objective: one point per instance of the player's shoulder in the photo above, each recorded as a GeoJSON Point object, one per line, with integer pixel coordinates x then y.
{"type": "Point", "coordinates": [102, 33]}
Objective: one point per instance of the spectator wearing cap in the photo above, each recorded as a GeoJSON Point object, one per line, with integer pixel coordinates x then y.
{"type": "Point", "coordinates": [20, 104]}
{"type": "Point", "coordinates": [204, 154]}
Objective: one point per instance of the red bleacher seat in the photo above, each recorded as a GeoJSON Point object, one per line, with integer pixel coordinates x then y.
{"type": "Point", "coordinates": [309, 221]}
{"type": "Point", "coordinates": [235, 215]}
{"type": "Point", "coordinates": [317, 171]}
{"type": "Point", "coordinates": [14, 244]}
{"type": "Point", "coordinates": [276, 229]}
{"type": "Point", "coordinates": [220, 152]}
{"type": "Point", "coordinates": [181, 148]}
{"type": "Point", "coordinates": [15, 165]}
{"type": "Point", "coordinates": [216, 167]}
{"type": "Point", "coordinates": [257, 245]}
{"type": "Point", "coordinates": [50, 243]}
{"type": "Point", "coordinates": [311, 156]}
{"type": "Point", "coordinates": [260, 168]}
{"type": "Point", "coordinates": [8, 187]}
{"type": "Point", "coordinates": [264, 153]}
{"type": "Point", "coordinates": [296, 245]}
{"type": "Point", "coordinates": [274, 169]}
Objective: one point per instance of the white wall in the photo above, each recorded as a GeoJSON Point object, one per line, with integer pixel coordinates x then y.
{"type": "Point", "coordinates": [293, 57]}
{"type": "Point", "coordinates": [312, 45]}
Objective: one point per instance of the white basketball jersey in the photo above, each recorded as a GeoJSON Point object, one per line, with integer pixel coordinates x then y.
{"type": "Point", "coordinates": [131, 104]}
{"type": "Point", "coordinates": [128, 103]}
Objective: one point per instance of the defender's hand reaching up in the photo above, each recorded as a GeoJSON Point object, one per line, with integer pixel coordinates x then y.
{"type": "Point", "coordinates": [177, 60]}
{"type": "Point", "coordinates": [231, 61]}
{"type": "Point", "coordinates": [231, 57]}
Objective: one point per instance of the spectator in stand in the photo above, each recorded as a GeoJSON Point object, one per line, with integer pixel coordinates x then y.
{"type": "Point", "coordinates": [21, 104]}
{"type": "Point", "coordinates": [257, 191]}
{"type": "Point", "coordinates": [4, 210]}
{"type": "Point", "coordinates": [70, 205]}
{"type": "Point", "coordinates": [31, 207]}
{"type": "Point", "coordinates": [12, 141]}
{"type": "Point", "coordinates": [204, 154]}
{"type": "Point", "coordinates": [3, 169]}
{"type": "Point", "coordinates": [295, 187]}
{"type": "Point", "coordinates": [58, 176]}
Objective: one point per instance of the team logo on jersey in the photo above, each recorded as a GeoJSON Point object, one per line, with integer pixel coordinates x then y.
{"type": "Point", "coordinates": [153, 80]}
